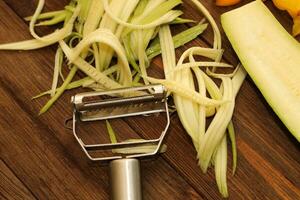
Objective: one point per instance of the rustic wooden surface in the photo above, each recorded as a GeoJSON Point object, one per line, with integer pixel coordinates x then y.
{"type": "Point", "coordinates": [41, 160]}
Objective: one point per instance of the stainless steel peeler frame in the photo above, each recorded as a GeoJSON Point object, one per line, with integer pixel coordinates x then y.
{"type": "Point", "coordinates": [124, 169]}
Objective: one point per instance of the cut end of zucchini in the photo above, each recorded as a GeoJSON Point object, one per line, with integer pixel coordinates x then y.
{"type": "Point", "coordinates": [271, 57]}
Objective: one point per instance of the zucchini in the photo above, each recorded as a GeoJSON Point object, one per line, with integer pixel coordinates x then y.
{"type": "Point", "coordinates": [271, 56]}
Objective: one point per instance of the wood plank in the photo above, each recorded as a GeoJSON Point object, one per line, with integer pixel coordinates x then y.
{"type": "Point", "coordinates": [253, 137]}
{"type": "Point", "coordinates": [269, 148]}
{"type": "Point", "coordinates": [38, 159]}
{"type": "Point", "coordinates": [11, 187]}
{"type": "Point", "coordinates": [157, 175]}
{"type": "Point", "coordinates": [160, 182]}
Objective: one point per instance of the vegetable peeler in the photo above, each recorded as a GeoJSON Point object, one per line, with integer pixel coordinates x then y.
{"type": "Point", "coordinates": [125, 179]}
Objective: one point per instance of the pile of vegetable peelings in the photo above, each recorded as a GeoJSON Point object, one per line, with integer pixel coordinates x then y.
{"type": "Point", "coordinates": [113, 44]}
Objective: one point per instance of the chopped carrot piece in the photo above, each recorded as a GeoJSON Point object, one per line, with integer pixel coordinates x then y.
{"type": "Point", "coordinates": [226, 2]}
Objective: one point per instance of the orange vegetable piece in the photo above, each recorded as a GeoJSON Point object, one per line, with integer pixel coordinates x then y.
{"type": "Point", "coordinates": [296, 26]}
{"type": "Point", "coordinates": [291, 6]}
{"type": "Point", "coordinates": [226, 2]}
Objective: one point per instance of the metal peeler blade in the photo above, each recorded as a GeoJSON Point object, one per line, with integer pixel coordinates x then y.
{"type": "Point", "coordinates": [120, 103]}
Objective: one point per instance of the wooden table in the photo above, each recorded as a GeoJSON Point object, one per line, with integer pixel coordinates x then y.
{"type": "Point", "coordinates": [40, 159]}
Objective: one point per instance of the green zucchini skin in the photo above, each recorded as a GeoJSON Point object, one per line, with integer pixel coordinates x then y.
{"type": "Point", "coordinates": [270, 55]}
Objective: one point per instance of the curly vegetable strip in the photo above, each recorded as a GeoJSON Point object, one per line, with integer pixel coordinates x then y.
{"type": "Point", "coordinates": [220, 120]}
{"type": "Point", "coordinates": [106, 37]}
{"type": "Point", "coordinates": [180, 20]}
{"type": "Point", "coordinates": [93, 18]}
{"type": "Point", "coordinates": [167, 49]}
{"type": "Point", "coordinates": [72, 73]}
{"type": "Point", "coordinates": [220, 162]}
{"type": "Point", "coordinates": [140, 149]}
{"type": "Point", "coordinates": [219, 75]}
{"type": "Point", "coordinates": [211, 88]}
{"type": "Point", "coordinates": [94, 15]}
{"type": "Point", "coordinates": [217, 34]}
{"type": "Point", "coordinates": [111, 132]}
{"type": "Point", "coordinates": [46, 15]}
{"type": "Point", "coordinates": [186, 114]}
{"type": "Point", "coordinates": [167, 18]}
{"type": "Point", "coordinates": [231, 134]}
{"type": "Point", "coordinates": [91, 83]}
{"type": "Point", "coordinates": [187, 93]}
{"type": "Point", "coordinates": [220, 156]}
{"type": "Point", "coordinates": [178, 40]}
{"type": "Point", "coordinates": [125, 12]}
{"type": "Point", "coordinates": [185, 106]}
{"type": "Point", "coordinates": [238, 78]}
{"type": "Point", "coordinates": [143, 11]}
{"type": "Point", "coordinates": [153, 12]}
{"type": "Point", "coordinates": [57, 67]}
{"type": "Point", "coordinates": [156, 9]}
{"type": "Point", "coordinates": [148, 8]}
{"type": "Point", "coordinates": [215, 93]}
{"type": "Point", "coordinates": [141, 56]}
{"type": "Point", "coordinates": [55, 20]}
{"type": "Point", "coordinates": [140, 8]}
{"type": "Point", "coordinates": [96, 57]}
{"type": "Point", "coordinates": [33, 20]}
{"type": "Point", "coordinates": [190, 65]}
{"type": "Point", "coordinates": [237, 81]}
{"type": "Point", "coordinates": [146, 148]}
{"type": "Point", "coordinates": [201, 51]}
{"type": "Point", "coordinates": [89, 70]}
{"type": "Point", "coordinates": [216, 129]}
{"type": "Point", "coordinates": [74, 69]}
{"type": "Point", "coordinates": [46, 40]}
{"type": "Point", "coordinates": [129, 53]}
{"type": "Point", "coordinates": [84, 82]}
{"type": "Point", "coordinates": [71, 85]}
{"type": "Point", "coordinates": [59, 91]}
{"type": "Point", "coordinates": [85, 5]}
{"type": "Point", "coordinates": [201, 108]}
{"type": "Point", "coordinates": [108, 23]}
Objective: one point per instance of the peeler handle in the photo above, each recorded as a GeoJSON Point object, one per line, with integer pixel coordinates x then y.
{"type": "Point", "coordinates": [125, 179]}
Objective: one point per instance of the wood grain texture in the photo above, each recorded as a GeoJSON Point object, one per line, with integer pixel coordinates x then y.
{"type": "Point", "coordinates": [11, 187]}
{"type": "Point", "coordinates": [49, 164]}
{"type": "Point", "coordinates": [72, 170]}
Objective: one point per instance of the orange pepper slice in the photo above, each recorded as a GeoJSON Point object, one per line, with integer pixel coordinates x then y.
{"type": "Point", "coordinates": [226, 2]}
{"type": "Point", "coordinates": [291, 6]}
{"type": "Point", "coordinates": [296, 26]}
